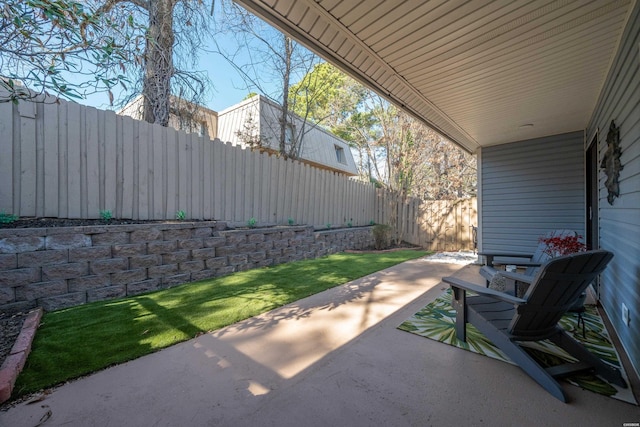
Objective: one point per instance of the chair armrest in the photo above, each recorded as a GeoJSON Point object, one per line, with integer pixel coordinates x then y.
{"type": "Point", "coordinates": [520, 262]}
{"type": "Point", "coordinates": [480, 290]}
{"type": "Point", "coordinates": [489, 256]}
{"type": "Point", "coordinates": [518, 277]}
{"type": "Point", "coordinates": [506, 254]}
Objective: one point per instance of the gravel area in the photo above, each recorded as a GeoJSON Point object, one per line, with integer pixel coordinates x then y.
{"type": "Point", "coordinates": [10, 326]}
{"type": "Point", "coordinates": [461, 257]}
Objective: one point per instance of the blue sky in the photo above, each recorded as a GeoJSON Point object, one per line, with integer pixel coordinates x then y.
{"type": "Point", "coordinates": [228, 87]}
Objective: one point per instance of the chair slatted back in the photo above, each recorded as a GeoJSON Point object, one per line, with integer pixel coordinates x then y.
{"type": "Point", "coordinates": [555, 287]}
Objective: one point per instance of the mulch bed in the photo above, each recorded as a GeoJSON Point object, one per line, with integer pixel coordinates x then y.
{"type": "Point", "coordinates": [64, 222]}
{"type": "Point", "coordinates": [10, 326]}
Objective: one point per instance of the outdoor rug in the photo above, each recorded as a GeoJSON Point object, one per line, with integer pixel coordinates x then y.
{"type": "Point", "coordinates": [436, 321]}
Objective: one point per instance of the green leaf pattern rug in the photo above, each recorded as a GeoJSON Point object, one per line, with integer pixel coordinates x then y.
{"type": "Point", "coordinates": [436, 321]}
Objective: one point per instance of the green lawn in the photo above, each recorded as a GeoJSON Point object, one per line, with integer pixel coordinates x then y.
{"type": "Point", "coordinates": [80, 340]}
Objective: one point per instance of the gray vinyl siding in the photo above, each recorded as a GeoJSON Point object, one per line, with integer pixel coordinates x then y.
{"type": "Point", "coordinates": [529, 188]}
{"type": "Point", "coordinates": [620, 223]}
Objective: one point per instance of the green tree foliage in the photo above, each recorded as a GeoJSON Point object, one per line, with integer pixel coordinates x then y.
{"type": "Point", "coordinates": [326, 95]}
{"type": "Point", "coordinates": [330, 98]}
{"type": "Point", "coordinates": [393, 148]}
{"type": "Point", "coordinates": [44, 42]}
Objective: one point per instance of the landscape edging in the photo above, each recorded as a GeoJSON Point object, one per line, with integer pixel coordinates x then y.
{"type": "Point", "coordinates": [14, 363]}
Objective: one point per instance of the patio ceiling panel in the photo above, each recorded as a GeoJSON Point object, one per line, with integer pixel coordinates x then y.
{"type": "Point", "coordinates": [485, 21]}
{"type": "Point", "coordinates": [362, 22]}
{"type": "Point", "coordinates": [344, 8]}
{"type": "Point", "coordinates": [571, 71]}
{"type": "Point", "coordinates": [414, 19]}
{"type": "Point", "coordinates": [476, 71]}
{"type": "Point", "coordinates": [463, 59]}
{"type": "Point", "coordinates": [405, 47]}
{"type": "Point", "coordinates": [522, 63]}
{"type": "Point", "coordinates": [561, 55]}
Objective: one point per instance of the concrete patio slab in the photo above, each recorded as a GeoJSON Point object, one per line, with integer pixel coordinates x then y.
{"type": "Point", "coordinates": [333, 359]}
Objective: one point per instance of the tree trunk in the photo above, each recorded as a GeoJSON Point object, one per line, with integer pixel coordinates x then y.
{"type": "Point", "coordinates": [288, 45]}
{"type": "Point", "coordinates": [156, 86]}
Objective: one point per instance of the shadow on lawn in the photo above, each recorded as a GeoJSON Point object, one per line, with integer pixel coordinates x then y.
{"type": "Point", "coordinates": [99, 335]}
{"type": "Point", "coordinates": [169, 317]}
{"type": "Point", "coordinates": [304, 308]}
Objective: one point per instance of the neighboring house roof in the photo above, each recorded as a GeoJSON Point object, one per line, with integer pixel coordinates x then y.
{"type": "Point", "coordinates": [258, 118]}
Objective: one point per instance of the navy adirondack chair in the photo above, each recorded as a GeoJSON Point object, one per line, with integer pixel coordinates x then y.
{"type": "Point", "coordinates": [507, 320]}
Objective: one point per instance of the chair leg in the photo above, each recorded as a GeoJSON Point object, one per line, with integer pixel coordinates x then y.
{"type": "Point", "coordinates": [519, 356]}
{"type": "Point", "coordinates": [459, 303]}
{"type": "Point", "coordinates": [577, 350]}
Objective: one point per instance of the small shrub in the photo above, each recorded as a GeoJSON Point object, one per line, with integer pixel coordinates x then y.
{"type": "Point", "coordinates": [181, 215]}
{"type": "Point", "coordinates": [382, 236]}
{"type": "Point", "coordinates": [349, 224]}
{"type": "Point", "coordinates": [106, 215]}
{"type": "Point", "coordinates": [252, 222]}
{"type": "Point", "coordinates": [372, 222]}
{"type": "Point", "coordinates": [291, 221]}
{"type": "Point", "coordinates": [6, 218]}
{"type": "Point", "coordinates": [328, 225]}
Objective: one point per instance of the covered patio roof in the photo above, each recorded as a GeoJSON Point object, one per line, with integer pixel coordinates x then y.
{"type": "Point", "coordinates": [480, 72]}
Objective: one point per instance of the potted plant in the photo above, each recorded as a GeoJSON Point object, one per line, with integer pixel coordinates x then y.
{"type": "Point", "coordinates": [563, 245]}
{"type": "Point", "coordinates": [566, 245]}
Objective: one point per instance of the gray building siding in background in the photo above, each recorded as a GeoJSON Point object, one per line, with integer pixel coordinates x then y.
{"type": "Point", "coordinates": [619, 224]}
{"type": "Point", "coordinates": [529, 188]}
{"type": "Point", "coordinates": [260, 117]}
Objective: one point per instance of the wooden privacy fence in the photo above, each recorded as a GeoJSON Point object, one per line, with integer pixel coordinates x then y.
{"type": "Point", "coordinates": [70, 161]}
{"type": "Point", "coordinates": [437, 225]}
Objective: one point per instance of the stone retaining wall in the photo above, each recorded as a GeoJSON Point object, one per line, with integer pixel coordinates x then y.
{"type": "Point", "coordinates": [67, 266]}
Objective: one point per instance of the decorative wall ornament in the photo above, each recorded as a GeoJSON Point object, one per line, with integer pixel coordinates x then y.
{"type": "Point", "coordinates": [611, 162]}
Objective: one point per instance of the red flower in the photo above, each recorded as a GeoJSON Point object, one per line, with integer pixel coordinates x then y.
{"type": "Point", "coordinates": [558, 246]}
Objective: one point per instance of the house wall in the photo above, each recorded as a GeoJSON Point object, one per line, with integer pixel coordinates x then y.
{"type": "Point", "coordinates": [619, 223]}
{"type": "Point", "coordinates": [318, 145]}
{"type": "Point", "coordinates": [133, 109]}
{"type": "Point", "coordinates": [529, 188]}
{"type": "Point", "coordinates": [242, 117]}
{"type": "Point", "coordinates": [260, 118]}
{"type": "Point", "coordinates": [204, 124]}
